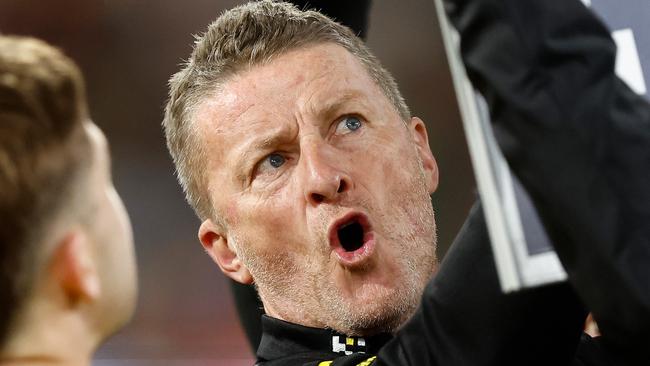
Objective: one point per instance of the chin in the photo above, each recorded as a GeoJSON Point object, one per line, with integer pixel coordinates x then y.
{"type": "Point", "coordinates": [375, 309]}
{"type": "Point", "coordinates": [376, 301]}
{"type": "Point", "coordinates": [385, 318]}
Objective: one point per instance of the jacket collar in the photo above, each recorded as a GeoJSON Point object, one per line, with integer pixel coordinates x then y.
{"type": "Point", "coordinates": [282, 339]}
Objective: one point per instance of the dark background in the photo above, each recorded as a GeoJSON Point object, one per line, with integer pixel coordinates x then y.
{"type": "Point", "coordinates": [127, 50]}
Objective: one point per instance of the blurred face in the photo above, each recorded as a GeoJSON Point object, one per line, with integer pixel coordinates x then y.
{"type": "Point", "coordinates": [324, 190]}
{"type": "Point", "coordinates": [110, 231]}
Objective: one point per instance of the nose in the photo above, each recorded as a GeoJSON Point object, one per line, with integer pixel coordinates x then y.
{"type": "Point", "coordinates": [323, 177]}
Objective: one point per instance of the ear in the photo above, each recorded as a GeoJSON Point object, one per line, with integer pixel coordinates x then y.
{"type": "Point", "coordinates": [419, 134]}
{"type": "Point", "coordinates": [74, 268]}
{"type": "Point", "coordinates": [216, 244]}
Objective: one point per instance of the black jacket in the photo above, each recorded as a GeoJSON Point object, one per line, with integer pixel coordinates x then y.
{"type": "Point", "coordinates": [579, 140]}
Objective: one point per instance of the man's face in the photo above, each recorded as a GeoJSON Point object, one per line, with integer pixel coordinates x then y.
{"type": "Point", "coordinates": [109, 230]}
{"type": "Point", "coordinates": [324, 191]}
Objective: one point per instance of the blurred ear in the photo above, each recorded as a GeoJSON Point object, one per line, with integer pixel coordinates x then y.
{"type": "Point", "coordinates": [74, 268]}
{"type": "Point", "coordinates": [419, 133]}
{"type": "Point", "coordinates": [216, 244]}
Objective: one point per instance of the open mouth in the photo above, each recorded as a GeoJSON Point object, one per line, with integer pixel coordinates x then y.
{"type": "Point", "coordinates": [351, 236]}
{"type": "Point", "coordinates": [352, 239]}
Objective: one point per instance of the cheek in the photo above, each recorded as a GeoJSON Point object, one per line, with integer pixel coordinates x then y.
{"type": "Point", "coordinates": [241, 211]}
{"type": "Point", "coordinates": [389, 160]}
{"type": "Point", "coordinates": [232, 213]}
{"type": "Point", "coordinates": [269, 224]}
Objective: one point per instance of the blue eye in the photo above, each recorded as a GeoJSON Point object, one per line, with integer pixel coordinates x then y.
{"type": "Point", "coordinates": [348, 124]}
{"type": "Point", "coordinates": [276, 160]}
{"type": "Point", "coordinates": [352, 123]}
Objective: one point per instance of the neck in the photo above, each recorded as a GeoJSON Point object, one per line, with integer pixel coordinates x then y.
{"type": "Point", "coordinates": [297, 316]}
{"type": "Point", "coordinates": [45, 335]}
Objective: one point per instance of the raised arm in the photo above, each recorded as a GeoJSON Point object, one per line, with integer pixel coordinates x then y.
{"type": "Point", "coordinates": [579, 140]}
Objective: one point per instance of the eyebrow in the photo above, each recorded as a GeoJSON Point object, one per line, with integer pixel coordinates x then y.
{"type": "Point", "coordinates": [333, 105]}
{"type": "Point", "coordinates": [251, 148]}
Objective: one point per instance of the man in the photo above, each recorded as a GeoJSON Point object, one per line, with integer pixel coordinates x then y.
{"type": "Point", "coordinates": [312, 180]}
{"type": "Point", "coordinates": [66, 253]}
{"type": "Point", "coordinates": [338, 216]}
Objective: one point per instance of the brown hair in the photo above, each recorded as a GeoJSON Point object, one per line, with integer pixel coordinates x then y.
{"type": "Point", "coordinates": [241, 38]}
{"type": "Point", "coordinates": [43, 147]}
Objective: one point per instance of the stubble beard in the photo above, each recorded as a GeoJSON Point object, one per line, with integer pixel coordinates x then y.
{"type": "Point", "coordinates": [305, 294]}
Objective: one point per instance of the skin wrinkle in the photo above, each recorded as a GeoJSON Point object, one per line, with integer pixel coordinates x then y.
{"type": "Point", "coordinates": [308, 105]}
{"type": "Point", "coordinates": [280, 235]}
{"type": "Point", "coordinates": [329, 109]}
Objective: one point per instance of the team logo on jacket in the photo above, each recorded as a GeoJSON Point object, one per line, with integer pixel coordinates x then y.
{"type": "Point", "coordinates": [348, 345]}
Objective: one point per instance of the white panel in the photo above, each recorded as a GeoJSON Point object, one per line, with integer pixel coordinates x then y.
{"type": "Point", "coordinates": [628, 65]}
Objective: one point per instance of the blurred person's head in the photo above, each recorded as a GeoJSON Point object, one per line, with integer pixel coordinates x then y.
{"type": "Point", "coordinates": [67, 271]}
{"type": "Point", "coordinates": [296, 150]}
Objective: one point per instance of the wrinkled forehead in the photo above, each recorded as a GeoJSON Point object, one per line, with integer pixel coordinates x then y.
{"type": "Point", "coordinates": [301, 81]}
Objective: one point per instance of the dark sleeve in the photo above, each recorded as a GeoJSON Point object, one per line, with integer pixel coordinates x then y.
{"type": "Point", "coordinates": [465, 319]}
{"type": "Point", "coordinates": [579, 140]}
